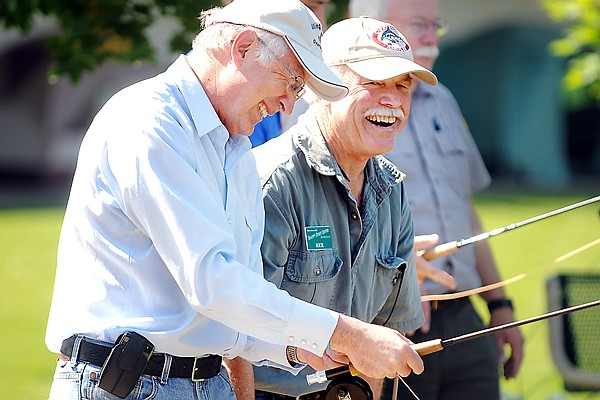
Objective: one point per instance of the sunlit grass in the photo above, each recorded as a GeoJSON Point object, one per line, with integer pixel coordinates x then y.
{"type": "Point", "coordinates": [28, 240]}
{"type": "Point", "coordinates": [533, 249]}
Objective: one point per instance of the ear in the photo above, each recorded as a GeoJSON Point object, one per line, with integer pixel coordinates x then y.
{"type": "Point", "coordinates": [242, 44]}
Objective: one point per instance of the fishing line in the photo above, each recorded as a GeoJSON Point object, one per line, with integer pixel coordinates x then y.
{"type": "Point", "coordinates": [408, 387]}
{"type": "Point", "coordinates": [482, 289]}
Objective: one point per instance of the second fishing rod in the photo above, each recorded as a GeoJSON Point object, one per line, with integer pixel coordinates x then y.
{"type": "Point", "coordinates": [435, 345]}
{"type": "Point", "coordinates": [450, 247]}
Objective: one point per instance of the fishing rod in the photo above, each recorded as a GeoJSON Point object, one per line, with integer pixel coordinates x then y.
{"type": "Point", "coordinates": [435, 345]}
{"type": "Point", "coordinates": [491, 286]}
{"type": "Point", "coordinates": [450, 247]}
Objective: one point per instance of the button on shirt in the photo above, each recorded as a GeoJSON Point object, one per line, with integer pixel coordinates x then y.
{"type": "Point", "coordinates": [443, 170]}
{"type": "Point", "coordinates": [356, 267]}
{"type": "Point", "coordinates": [162, 232]}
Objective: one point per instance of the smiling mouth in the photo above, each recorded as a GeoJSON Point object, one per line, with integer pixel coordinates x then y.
{"type": "Point", "coordinates": [263, 110]}
{"type": "Point", "coordinates": [383, 121]}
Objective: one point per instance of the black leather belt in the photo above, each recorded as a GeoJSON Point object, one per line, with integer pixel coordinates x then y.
{"type": "Point", "coordinates": [194, 368]}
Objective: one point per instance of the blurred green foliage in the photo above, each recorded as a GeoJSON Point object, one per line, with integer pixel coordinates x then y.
{"type": "Point", "coordinates": [94, 31]}
{"type": "Point", "coordinates": [91, 32]}
{"type": "Point", "coordinates": [580, 44]}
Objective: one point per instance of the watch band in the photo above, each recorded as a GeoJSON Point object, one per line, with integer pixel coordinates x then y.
{"type": "Point", "coordinates": [499, 303]}
{"type": "Point", "coordinates": [292, 355]}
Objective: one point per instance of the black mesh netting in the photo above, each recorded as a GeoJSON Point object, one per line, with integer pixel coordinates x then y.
{"type": "Point", "coordinates": [582, 327]}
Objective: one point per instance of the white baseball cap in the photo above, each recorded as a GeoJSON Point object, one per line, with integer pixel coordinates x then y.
{"type": "Point", "coordinates": [373, 49]}
{"type": "Point", "coordinates": [299, 27]}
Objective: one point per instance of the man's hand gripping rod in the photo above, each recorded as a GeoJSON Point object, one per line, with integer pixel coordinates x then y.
{"type": "Point", "coordinates": [435, 345]}
{"type": "Point", "coordinates": [450, 247]}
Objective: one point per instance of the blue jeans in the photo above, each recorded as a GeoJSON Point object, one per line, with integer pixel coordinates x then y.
{"type": "Point", "coordinates": [79, 381]}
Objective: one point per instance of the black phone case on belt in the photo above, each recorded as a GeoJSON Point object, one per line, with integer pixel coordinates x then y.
{"type": "Point", "coordinates": [125, 364]}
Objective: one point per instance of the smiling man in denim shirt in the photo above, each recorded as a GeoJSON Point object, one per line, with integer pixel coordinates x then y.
{"type": "Point", "coordinates": [339, 229]}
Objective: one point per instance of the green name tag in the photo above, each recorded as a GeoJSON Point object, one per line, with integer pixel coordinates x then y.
{"type": "Point", "coordinates": [318, 237]}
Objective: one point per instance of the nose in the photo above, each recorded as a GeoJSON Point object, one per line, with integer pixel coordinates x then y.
{"type": "Point", "coordinates": [392, 97]}
{"type": "Point", "coordinates": [429, 35]}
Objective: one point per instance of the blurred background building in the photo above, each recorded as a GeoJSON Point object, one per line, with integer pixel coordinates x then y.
{"type": "Point", "coordinates": [494, 58]}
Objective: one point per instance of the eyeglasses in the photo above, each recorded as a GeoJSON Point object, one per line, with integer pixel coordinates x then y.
{"type": "Point", "coordinates": [440, 26]}
{"type": "Point", "coordinates": [296, 83]}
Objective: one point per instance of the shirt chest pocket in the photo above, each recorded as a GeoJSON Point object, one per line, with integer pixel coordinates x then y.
{"type": "Point", "coordinates": [449, 135]}
{"type": "Point", "coordinates": [388, 275]}
{"type": "Point", "coordinates": [311, 276]}
{"type": "Point", "coordinates": [450, 145]}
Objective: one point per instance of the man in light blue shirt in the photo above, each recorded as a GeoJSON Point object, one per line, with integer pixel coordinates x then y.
{"type": "Point", "coordinates": [339, 230]}
{"type": "Point", "coordinates": [164, 222]}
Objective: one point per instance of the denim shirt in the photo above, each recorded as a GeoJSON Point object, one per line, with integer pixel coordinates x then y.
{"type": "Point", "coordinates": [355, 266]}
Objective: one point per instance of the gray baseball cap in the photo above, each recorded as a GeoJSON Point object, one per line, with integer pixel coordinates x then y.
{"type": "Point", "coordinates": [299, 27]}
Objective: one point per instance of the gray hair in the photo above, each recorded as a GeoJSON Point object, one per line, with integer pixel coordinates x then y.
{"type": "Point", "coordinates": [370, 8]}
{"type": "Point", "coordinates": [220, 35]}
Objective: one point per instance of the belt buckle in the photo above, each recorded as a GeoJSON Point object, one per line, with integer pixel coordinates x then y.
{"type": "Point", "coordinates": [194, 370]}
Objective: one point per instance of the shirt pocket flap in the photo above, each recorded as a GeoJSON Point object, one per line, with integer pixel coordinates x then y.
{"type": "Point", "coordinates": [313, 267]}
{"type": "Point", "coordinates": [390, 265]}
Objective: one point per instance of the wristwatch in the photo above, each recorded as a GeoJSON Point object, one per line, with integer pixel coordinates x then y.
{"type": "Point", "coordinates": [292, 355]}
{"type": "Point", "coordinates": [499, 303]}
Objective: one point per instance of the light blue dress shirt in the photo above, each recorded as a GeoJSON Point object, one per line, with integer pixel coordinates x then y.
{"type": "Point", "coordinates": [162, 233]}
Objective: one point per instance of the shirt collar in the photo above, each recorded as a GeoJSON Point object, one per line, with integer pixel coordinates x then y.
{"type": "Point", "coordinates": [202, 112]}
{"type": "Point", "coordinates": [309, 139]}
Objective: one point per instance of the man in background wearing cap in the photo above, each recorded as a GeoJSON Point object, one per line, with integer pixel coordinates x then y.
{"type": "Point", "coordinates": [338, 229]}
{"type": "Point", "coordinates": [159, 271]}
{"type": "Point", "coordinates": [444, 169]}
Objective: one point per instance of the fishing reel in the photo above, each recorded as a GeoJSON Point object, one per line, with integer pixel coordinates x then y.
{"type": "Point", "coordinates": [348, 387]}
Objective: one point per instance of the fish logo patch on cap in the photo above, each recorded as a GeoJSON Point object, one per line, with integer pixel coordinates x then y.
{"type": "Point", "coordinates": [389, 38]}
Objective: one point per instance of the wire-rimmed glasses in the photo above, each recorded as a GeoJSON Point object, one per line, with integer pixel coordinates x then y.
{"type": "Point", "coordinates": [440, 26]}
{"type": "Point", "coordinates": [296, 83]}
